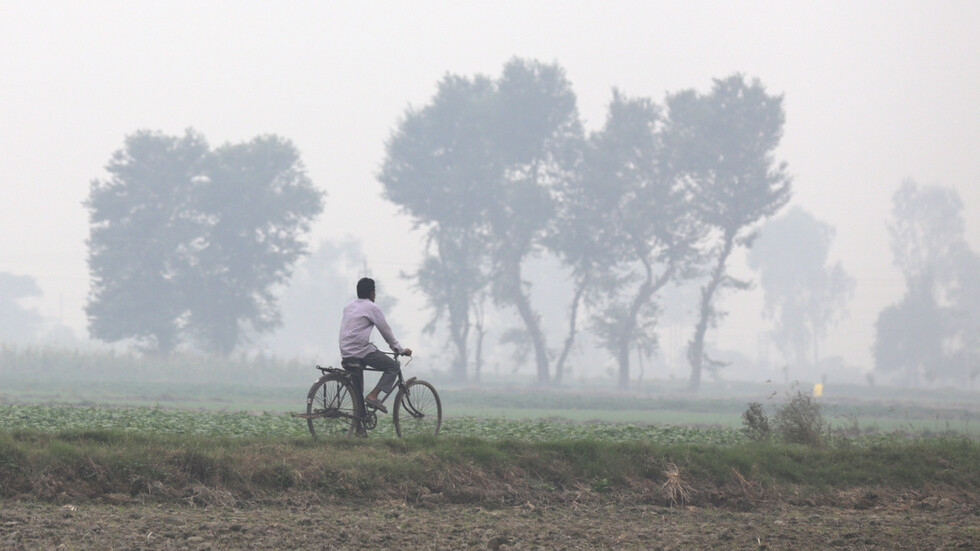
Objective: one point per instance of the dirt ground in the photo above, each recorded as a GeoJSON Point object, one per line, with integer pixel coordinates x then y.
{"type": "Point", "coordinates": [932, 523]}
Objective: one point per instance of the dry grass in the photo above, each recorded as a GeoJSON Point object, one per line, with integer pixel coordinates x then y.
{"type": "Point", "coordinates": [676, 488]}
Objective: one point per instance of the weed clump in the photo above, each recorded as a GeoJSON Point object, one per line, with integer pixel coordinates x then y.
{"type": "Point", "coordinates": [755, 422]}
{"type": "Point", "coordinates": [800, 421]}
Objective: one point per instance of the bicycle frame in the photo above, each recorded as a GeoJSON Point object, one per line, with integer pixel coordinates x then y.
{"type": "Point", "coordinates": [354, 370]}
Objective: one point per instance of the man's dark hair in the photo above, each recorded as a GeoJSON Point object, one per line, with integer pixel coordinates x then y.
{"type": "Point", "coordinates": [365, 287]}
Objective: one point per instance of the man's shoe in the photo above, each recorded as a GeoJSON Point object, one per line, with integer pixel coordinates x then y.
{"type": "Point", "coordinates": [376, 404]}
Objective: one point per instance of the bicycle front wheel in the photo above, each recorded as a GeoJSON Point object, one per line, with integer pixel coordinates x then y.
{"type": "Point", "coordinates": [331, 407]}
{"type": "Point", "coordinates": [418, 410]}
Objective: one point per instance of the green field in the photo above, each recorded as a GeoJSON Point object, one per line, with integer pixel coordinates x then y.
{"type": "Point", "coordinates": [52, 390]}
{"type": "Point", "coordinates": [885, 411]}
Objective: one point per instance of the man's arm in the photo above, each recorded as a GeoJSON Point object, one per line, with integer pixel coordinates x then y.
{"type": "Point", "coordinates": [378, 318]}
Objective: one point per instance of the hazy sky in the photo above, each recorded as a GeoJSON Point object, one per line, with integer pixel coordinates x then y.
{"type": "Point", "coordinates": [875, 92]}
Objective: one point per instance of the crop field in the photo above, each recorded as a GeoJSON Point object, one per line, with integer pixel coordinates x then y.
{"type": "Point", "coordinates": [146, 461]}
{"type": "Point", "coordinates": [66, 419]}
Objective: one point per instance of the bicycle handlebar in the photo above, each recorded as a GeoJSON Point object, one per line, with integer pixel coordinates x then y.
{"type": "Point", "coordinates": [395, 355]}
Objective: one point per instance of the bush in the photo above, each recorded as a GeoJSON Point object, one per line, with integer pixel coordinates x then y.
{"type": "Point", "coordinates": [755, 422]}
{"type": "Point", "coordinates": [800, 421]}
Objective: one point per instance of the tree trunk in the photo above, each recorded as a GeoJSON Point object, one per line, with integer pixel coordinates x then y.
{"type": "Point", "coordinates": [459, 362]}
{"type": "Point", "coordinates": [570, 338]}
{"type": "Point", "coordinates": [478, 359]}
{"type": "Point", "coordinates": [647, 290]}
{"type": "Point", "coordinates": [695, 351]}
{"type": "Point", "coordinates": [459, 330]}
{"type": "Point", "coordinates": [480, 333]}
{"type": "Point", "coordinates": [623, 357]}
{"type": "Point", "coordinates": [532, 323]}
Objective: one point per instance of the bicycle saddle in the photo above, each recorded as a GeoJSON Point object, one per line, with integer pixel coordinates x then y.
{"type": "Point", "coordinates": [352, 363]}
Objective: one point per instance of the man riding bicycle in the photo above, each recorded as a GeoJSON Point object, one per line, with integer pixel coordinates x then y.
{"type": "Point", "coordinates": [361, 316]}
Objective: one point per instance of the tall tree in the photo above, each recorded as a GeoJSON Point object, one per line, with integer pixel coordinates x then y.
{"type": "Point", "coordinates": [721, 145]}
{"type": "Point", "coordinates": [141, 242]}
{"type": "Point", "coordinates": [934, 331]}
{"type": "Point", "coordinates": [964, 314]}
{"type": "Point", "coordinates": [926, 231]}
{"type": "Point", "coordinates": [909, 335]}
{"type": "Point", "coordinates": [256, 204]}
{"type": "Point", "coordinates": [475, 169]}
{"type": "Point", "coordinates": [452, 281]}
{"type": "Point", "coordinates": [536, 140]}
{"type": "Point", "coordinates": [625, 227]}
{"type": "Point", "coordinates": [802, 293]}
{"type": "Point", "coordinates": [438, 170]}
{"type": "Point", "coordinates": [189, 242]}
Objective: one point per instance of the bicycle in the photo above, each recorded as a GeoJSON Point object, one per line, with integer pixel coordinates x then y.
{"type": "Point", "coordinates": [335, 403]}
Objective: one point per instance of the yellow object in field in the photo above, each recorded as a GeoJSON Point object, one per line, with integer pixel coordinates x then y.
{"type": "Point", "coordinates": [818, 389]}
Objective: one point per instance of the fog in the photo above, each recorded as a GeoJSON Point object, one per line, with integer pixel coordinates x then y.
{"type": "Point", "coordinates": [874, 95]}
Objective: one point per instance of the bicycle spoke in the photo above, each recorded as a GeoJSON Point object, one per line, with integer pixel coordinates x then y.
{"type": "Point", "coordinates": [418, 410]}
{"type": "Point", "coordinates": [330, 407]}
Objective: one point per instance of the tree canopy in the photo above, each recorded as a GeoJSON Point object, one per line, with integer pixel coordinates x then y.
{"type": "Point", "coordinates": [802, 293]}
{"type": "Point", "coordinates": [475, 168]}
{"type": "Point", "coordinates": [187, 243]}
{"type": "Point", "coordinates": [495, 170]}
{"type": "Point", "coordinates": [933, 332]}
{"type": "Point", "coordinates": [627, 229]}
{"type": "Point", "coordinates": [721, 144]}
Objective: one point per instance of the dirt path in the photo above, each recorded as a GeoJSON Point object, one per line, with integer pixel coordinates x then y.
{"type": "Point", "coordinates": [396, 525]}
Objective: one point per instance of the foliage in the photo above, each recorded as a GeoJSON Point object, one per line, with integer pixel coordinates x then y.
{"type": "Point", "coordinates": [494, 169]}
{"type": "Point", "coordinates": [909, 336]}
{"type": "Point", "coordinates": [249, 425]}
{"type": "Point", "coordinates": [189, 243]}
{"type": "Point", "coordinates": [933, 332]}
{"type": "Point", "coordinates": [802, 293]}
{"type": "Point", "coordinates": [473, 168]}
{"type": "Point", "coordinates": [926, 229]}
{"type": "Point", "coordinates": [755, 422]}
{"type": "Point", "coordinates": [800, 420]}
{"type": "Point", "coordinates": [435, 170]}
{"type": "Point", "coordinates": [625, 229]}
{"type": "Point", "coordinates": [721, 145]}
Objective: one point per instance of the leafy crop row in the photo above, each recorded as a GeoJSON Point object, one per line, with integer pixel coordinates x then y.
{"type": "Point", "coordinates": [243, 424]}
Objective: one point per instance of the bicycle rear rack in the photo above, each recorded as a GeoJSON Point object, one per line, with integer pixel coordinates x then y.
{"type": "Point", "coordinates": [331, 369]}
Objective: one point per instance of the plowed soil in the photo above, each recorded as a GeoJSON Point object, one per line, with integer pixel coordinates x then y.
{"type": "Point", "coordinates": [911, 522]}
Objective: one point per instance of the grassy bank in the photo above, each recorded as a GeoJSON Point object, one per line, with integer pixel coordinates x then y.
{"type": "Point", "coordinates": [123, 467]}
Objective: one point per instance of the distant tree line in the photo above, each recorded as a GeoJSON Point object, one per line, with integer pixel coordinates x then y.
{"type": "Point", "coordinates": [190, 245]}
{"type": "Point", "coordinates": [495, 170]}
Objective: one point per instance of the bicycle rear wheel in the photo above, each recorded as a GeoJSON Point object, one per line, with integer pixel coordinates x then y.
{"type": "Point", "coordinates": [418, 410]}
{"type": "Point", "coordinates": [331, 407]}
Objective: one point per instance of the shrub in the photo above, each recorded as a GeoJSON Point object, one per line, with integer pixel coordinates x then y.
{"type": "Point", "coordinates": [755, 422]}
{"type": "Point", "coordinates": [800, 420]}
